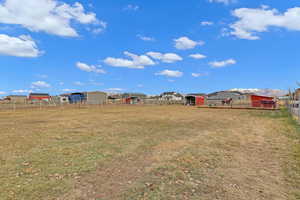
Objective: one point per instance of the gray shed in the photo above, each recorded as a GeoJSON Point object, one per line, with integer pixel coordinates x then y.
{"type": "Point", "coordinates": [95, 98]}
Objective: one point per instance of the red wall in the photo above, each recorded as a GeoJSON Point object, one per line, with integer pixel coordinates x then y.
{"type": "Point", "coordinates": [200, 101]}
{"type": "Point", "coordinates": [262, 102]}
{"type": "Point", "coordinates": [39, 98]}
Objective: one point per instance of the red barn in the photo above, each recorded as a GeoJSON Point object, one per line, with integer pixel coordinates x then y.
{"type": "Point", "coordinates": [193, 100]}
{"type": "Point", "coordinates": [39, 97]}
{"type": "Point", "coordinates": [262, 102]}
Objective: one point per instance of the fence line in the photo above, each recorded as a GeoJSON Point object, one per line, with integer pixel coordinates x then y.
{"type": "Point", "coordinates": [294, 108]}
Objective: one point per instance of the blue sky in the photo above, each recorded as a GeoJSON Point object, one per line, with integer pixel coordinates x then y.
{"type": "Point", "coordinates": [148, 46]}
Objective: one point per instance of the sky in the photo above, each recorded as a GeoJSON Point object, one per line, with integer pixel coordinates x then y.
{"type": "Point", "coordinates": [148, 46]}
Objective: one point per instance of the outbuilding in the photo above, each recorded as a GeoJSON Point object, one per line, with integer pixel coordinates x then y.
{"type": "Point", "coordinates": [194, 100]}
{"type": "Point", "coordinates": [228, 98]}
{"type": "Point", "coordinates": [21, 99]}
{"type": "Point", "coordinates": [132, 100]}
{"type": "Point", "coordinates": [262, 102]}
{"type": "Point", "coordinates": [34, 97]}
{"type": "Point", "coordinates": [91, 98]}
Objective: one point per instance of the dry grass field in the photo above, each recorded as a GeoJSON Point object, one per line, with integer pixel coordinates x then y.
{"type": "Point", "coordinates": [148, 152]}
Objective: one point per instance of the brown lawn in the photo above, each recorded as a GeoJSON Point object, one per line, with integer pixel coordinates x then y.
{"type": "Point", "coordinates": [148, 152]}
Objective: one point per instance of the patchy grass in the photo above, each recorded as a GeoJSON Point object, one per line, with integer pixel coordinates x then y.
{"type": "Point", "coordinates": [148, 152]}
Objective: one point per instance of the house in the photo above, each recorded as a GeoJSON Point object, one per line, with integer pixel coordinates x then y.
{"type": "Point", "coordinates": [91, 98]}
{"type": "Point", "coordinates": [262, 102]}
{"type": "Point", "coordinates": [171, 96]}
{"type": "Point", "coordinates": [38, 97]}
{"type": "Point", "coordinates": [195, 100]}
{"type": "Point", "coordinates": [20, 99]}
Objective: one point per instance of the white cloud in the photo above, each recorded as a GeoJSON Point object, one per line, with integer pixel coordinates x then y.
{"type": "Point", "coordinates": [206, 23]}
{"type": "Point", "coordinates": [78, 83]}
{"type": "Point", "coordinates": [170, 73]}
{"type": "Point", "coordinates": [184, 43]}
{"type": "Point", "coordinates": [115, 90]}
{"type": "Point", "coordinates": [166, 58]}
{"type": "Point", "coordinates": [44, 76]}
{"type": "Point", "coordinates": [253, 21]}
{"type": "Point", "coordinates": [89, 68]}
{"type": "Point", "coordinates": [197, 56]}
{"type": "Point", "coordinates": [140, 85]}
{"type": "Point", "coordinates": [68, 90]}
{"type": "Point", "coordinates": [22, 46]}
{"type": "Point", "coordinates": [132, 7]}
{"type": "Point", "coordinates": [40, 84]}
{"type": "Point", "coordinates": [2, 93]}
{"type": "Point", "coordinates": [136, 62]}
{"type": "Point", "coordinates": [146, 38]}
{"type": "Point", "coordinates": [50, 16]}
{"type": "Point", "coordinates": [196, 75]}
{"type": "Point", "coordinates": [22, 91]}
{"type": "Point", "coordinates": [223, 1]}
{"type": "Point", "coordinates": [218, 64]}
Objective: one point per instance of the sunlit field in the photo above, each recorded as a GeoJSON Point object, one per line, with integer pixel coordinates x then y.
{"type": "Point", "coordinates": [148, 152]}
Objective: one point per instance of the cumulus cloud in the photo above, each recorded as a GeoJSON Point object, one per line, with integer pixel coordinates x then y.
{"type": "Point", "coordinates": [136, 62]}
{"type": "Point", "coordinates": [22, 46]}
{"type": "Point", "coordinates": [78, 83]}
{"type": "Point", "coordinates": [132, 7]}
{"type": "Point", "coordinates": [166, 58]}
{"type": "Point", "coordinates": [40, 84]}
{"type": "Point", "coordinates": [89, 68]}
{"type": "Point", "coordinates": [2, 93]}
{"type": "Point", "coordinates": [22, 91]}
{"type": "Point", "coordinates": [184, 43]}
{"type": "Point", "coordinates": [145, 38]}
{"type": "Point", "coordinates": [218, 64]}
{"type": "Point", "coordinates": [223, 1]}
{"type": "Point", "coordinates": [68, 90]}
{"type": "Point", "coordinates": [206, 23]}
{"type": "Point", "coordinates": [197, 56]}
{"type": "Point", "coordinates": [50, 16]}
{"type": "Point", "coordinates": [170, 73]}
{"type": "Point", "coordinates": [196, 75]}
{"type": "Point", "coordinates": [252, 21]}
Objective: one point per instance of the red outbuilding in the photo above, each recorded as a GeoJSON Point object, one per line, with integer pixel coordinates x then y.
{"type": "Point", "coordinates": [39, 97]}
{"type": "Point", "coordinates": [262, 102]}
{"type": "Point", "coordinates": [193, 100]}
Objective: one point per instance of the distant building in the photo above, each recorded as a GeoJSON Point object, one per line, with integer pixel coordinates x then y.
{"type": "Point", "coordinates": [132, 100]}
{"type": "Point", "coordinates": [297, 94]}
{"type": "Point", "coordinates": [262, 102]}
{"type": "Point", "coordinates": [171, 96]}
{"type": "Point", "coordinates": [235, 97]}
{"type": "Point", "coordinates": [195, 100]}
{"type": "Point", "coordinates": [16, 99]}
{"type": "Point", "coordinates": [37, 97]}
{"type": "Point", "coordinates": [92, 98]}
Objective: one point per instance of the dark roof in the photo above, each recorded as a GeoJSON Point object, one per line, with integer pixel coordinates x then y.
{"type": "Point", "coordinates": [38, 94]}
{"type": "Point", "coordinates": [196, 94]}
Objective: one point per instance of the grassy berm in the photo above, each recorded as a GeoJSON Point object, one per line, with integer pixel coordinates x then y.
{"type": "Point", "coordinates": [148, 152]}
